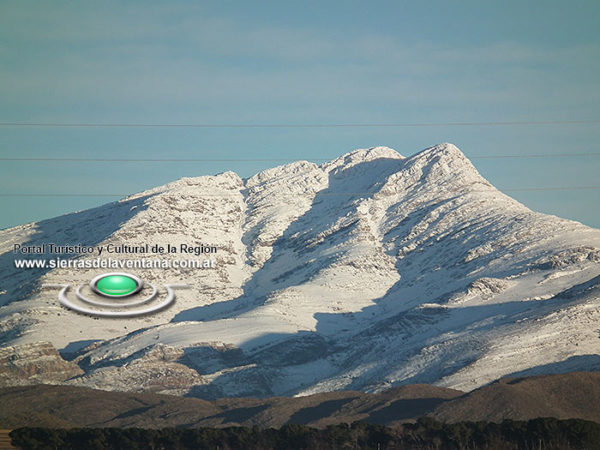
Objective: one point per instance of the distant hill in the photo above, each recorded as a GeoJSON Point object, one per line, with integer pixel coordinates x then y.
{"type": "Point", "coordinates": [68, 406]}
{"type": "Point", "coordinates": [564, 396]}
{"type": "Point", "coordinates": [572, 395]}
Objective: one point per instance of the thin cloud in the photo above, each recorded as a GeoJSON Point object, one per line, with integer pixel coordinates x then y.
{"type": "Point", "coordinates": [164, 57]}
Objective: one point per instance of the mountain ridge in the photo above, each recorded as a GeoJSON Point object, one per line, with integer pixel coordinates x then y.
{"type": "Point", "coordinates": [369, 271]}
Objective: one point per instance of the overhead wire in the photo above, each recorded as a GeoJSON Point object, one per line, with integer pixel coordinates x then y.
{"type": "Point", "coordinates": [296, 125]}
{"type": "Point", "coordinates": [161, 160]}
{"type": "Point", "coordinates": [66, 194]}
{"type": "Point", "coordinates": [289, 125]}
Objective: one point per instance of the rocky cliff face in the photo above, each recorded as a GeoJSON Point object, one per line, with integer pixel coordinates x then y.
{"type": "Point", "coordinates": [34, 363]}
{"type": "Point", "coordinates": [366, 272]}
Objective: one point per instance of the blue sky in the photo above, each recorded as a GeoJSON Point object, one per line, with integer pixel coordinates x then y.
{"type": "Point", "coordinates": [300, 63]}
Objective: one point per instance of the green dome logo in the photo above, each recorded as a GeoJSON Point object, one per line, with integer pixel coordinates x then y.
{"type": "Point", "coordinates": [116, 285]}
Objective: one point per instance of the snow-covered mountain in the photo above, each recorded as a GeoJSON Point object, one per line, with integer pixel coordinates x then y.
{"type": "Point", "coordinates": [366, 272]}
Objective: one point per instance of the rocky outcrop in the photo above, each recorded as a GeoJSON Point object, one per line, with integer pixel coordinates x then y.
{"type": "Point", "coordinates": [34, 363]}
{"type": "Point", "coordinates": [156, 369]}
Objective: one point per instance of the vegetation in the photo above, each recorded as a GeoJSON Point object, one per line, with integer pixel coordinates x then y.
{"type": "Point", "coordinates": [426, 433]}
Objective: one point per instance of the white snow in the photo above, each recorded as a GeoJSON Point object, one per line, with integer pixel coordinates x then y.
{"type": "Point", "coordinates": [366, 272]}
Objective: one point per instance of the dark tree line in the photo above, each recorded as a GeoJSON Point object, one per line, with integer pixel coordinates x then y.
{"type": "Point", "coordinates": [425, 434]}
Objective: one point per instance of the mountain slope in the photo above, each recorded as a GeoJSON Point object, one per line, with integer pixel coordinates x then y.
{"type": "Point", "coordinates": [369, 271]}
{"type": "Point", "coordinates": [574, 395]}
{"type": "Point", "coordinates": [73, 406]}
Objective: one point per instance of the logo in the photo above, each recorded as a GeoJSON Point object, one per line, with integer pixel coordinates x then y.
{"type": "Point", "coordinates": [123, 290]}
{"type": "Point", "coordinates": [116, 285]}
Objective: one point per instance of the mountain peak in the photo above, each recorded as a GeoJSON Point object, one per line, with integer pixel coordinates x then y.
{"type": "Point", "coordinates": [443, 165]}
{"type": "Point", "coordinates": [444, 151]}
{"type": "Point", "coordinates": [360, 156]}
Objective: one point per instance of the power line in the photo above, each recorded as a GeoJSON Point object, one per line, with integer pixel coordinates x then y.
{"type": "Point", "coordinates": [161, 160]}
{"type": "Point", "coordinates": [295, 125]}
{"type": "Point", "coordinates": [559, 188]}
{"type": "Point", "coordinates": [536, 155]}
{"type": "Point", "coordinates": [155, 159]}
{"type": "Point", "coordinates": [64, 195]}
